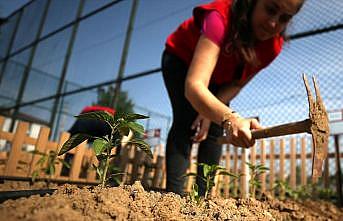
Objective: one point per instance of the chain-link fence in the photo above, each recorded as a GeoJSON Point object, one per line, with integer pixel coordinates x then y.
{"type": "Point", "coordinates": [59, 53]}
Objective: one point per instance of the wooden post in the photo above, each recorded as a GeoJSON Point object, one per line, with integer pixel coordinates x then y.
{"type": "Point", "coordinates": [63, 138]}
{"type": "Point", "coordinates": [272, 166]}
{"type": "Point", "coordinates": [77, 160]}
{"type": "Point", "coordinates": [41, 144]}
{"type": "Point", "coordinates": [191, 179]}
{"type": "Point", "coordinates": [326, 173]}
{"type": "Point", "coordinates": [15, 152]}
{"type": "Point", "coordinates": [215, 188]}
{"type": "Point", "coordinates": [263, 162]}
{"type": "Point", "coordinates": [136, 165]}
{"type": "Point", "coordinates": [245, 173]}
{"type": "Point", "coordinates": [253, 155]}
{"type": "Point", "coordinates": [338, 171]}
{"type": "Point", "coordinates": [91, 173]}
{"type": "Point", "coordinates": [293, 163]}
{"type": "Point", "coordinates": [147, 179]}
{"type": "Point", "coordinates": [228, 168]}
{"type": "Point", "coordinates": [282, 165]}
{"type": "Point", "coordinates": [303, 162]}
{"type": "Point", "coordinates": [157, 180]}
{"type": "Point", "coordinates": [235, 170]}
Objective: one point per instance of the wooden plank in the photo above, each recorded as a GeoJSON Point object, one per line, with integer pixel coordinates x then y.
{"type": "Point", "coordinates": [6, 136]}
{"type": "Point", "coordinates": [293, 181]}
{"type": "Point", "coordinates": [303, 161]}
{"type": "Point", "coordinates": [272, 166]}
{"type": "Point", "coordinates": [253, 155]}
{"type": "Point", "coordinates": [147, 179]}
{"type": "Point", "coordinates": [282, 165]}
{"type": "Point", "coordinates": [216, 186]}
{"type": "Point", "coordinates": [91, 173]}
{"type": "Point", "coordinates": [263, 162]}
{"type": "Point", "coordinates": [245, 174]}
{"type": "Point", "coordinates": [126, 156]}
{"type": "Point", "coordinates": [235, 171]}
{"type": "Point", "coordinates": [191, 179]}
{"type": "Point", "coordinates": [136, 164]}
{"type": "Point", "coordinates": [282, 160]}
{"type": "Point", "coordinates": [2, 121]}
{"type": "Point", "coordinates": [63, 138]}
{"type": "Point", "coordinates": [326, 173]}
{"type": "Point", "coordinates": [77, 160]}
{"type": "Point", "coordinates": [30, 140]}
{"type": "Point", "coordinates": [158, 175]}
{"type": "Point", "coordinates": [40, 146]}
{"type": "Point", "coordinates": [15, 152]}
{"type": "Point", "coordinates": [286, 156]}
{"type": "Point", "coordinates": [228, 168]}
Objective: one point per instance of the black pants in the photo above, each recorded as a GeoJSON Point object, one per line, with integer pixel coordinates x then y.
{"type": "Point", "coordinates": [179, 141]}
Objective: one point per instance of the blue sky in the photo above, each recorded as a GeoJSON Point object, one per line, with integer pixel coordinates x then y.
{"type": "Point", "coordinates": [98, 45]}
{"type": "Point", "coordinates": [8, 6]}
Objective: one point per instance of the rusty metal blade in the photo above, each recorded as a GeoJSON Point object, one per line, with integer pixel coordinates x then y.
{"type": "Point", "coordinates": [320, 134]}
{"type": "Point", "coordinates": [309, 96]}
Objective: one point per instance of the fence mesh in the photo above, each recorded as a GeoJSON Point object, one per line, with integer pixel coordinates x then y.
{"type": "Point", "coordinates": [276, 95]}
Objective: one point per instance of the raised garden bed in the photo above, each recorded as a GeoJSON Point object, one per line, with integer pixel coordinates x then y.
{"type": "Point", "coordinates": [69, 202]}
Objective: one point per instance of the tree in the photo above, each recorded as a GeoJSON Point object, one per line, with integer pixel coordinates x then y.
{"type": "Point", "coordinates": [124, 105]}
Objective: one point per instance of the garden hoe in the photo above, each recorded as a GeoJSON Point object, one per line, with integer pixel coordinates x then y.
{"type": "Point", "coordinates": [317, 125]}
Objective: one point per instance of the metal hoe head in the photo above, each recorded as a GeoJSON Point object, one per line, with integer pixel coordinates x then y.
{"type": "Point", "coordinates": [319, 129]}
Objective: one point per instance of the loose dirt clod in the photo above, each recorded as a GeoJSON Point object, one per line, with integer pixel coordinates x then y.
{"type": "Point", "coordinates": [134, 203]}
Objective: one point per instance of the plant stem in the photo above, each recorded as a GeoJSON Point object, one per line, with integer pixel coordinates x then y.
{"type": "Point", "coordinates": [107, 163]}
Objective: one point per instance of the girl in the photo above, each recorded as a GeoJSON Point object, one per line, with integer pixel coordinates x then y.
{"type": "Point", "coordinates": [206, 62]}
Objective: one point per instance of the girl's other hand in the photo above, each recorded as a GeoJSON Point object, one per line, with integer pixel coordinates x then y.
{"type": "Point", "coordinates": [201, 125]}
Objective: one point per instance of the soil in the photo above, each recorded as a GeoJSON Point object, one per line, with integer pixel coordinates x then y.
{"type": "Point", "coordinates": [20, 185]}
{"type": "Point", "coordinates": [134, 203]}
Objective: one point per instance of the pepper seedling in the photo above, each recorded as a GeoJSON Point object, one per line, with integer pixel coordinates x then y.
{"type": "Point", "coordinates": [121, 124]}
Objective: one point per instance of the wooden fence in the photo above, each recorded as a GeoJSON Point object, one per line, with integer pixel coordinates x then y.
{"type": "Point", "coordinates": [288, 159]}
{"type": "Point", "coordinates": [137, 166]}
{"type": "Point", "coordinates": [20, 163]}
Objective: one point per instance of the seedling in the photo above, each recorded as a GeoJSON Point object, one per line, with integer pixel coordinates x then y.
{"type": "Point", "coordinates": [46, 164]}
{"type": "Point", "coordinates": [194, 194]}
{"type": "Point", "coordinates": [121, 124]}
{"type": "Point", "coordinates": [210, 172]}
{"type": "Point", "coordinates": [255, 171]}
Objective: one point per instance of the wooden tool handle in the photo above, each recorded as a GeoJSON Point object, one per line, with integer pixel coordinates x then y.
{"type": "Point", "coordinates": [280, 130]}
{"type": "Point", "coordinates": [285, 129]}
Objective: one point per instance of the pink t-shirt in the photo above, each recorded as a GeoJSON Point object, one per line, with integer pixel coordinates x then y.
{"type": "Point", "coordinates": [213, 27]}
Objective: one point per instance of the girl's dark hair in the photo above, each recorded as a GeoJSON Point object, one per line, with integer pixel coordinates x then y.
{"type": "Point", "coordinates": [240, 32]}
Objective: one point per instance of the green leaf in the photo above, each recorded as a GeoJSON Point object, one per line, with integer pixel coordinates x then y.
{"type": "Point", "coordinates": [99, 145]}
{"type": "Point", "coordinates": [142, 145]}
{"type": "Point", "coordinates": [64, 163]}
{"type": "Point", "coordinates": [51, 169]}
{"type": "Point", "coordinates": [263, 168]}
{"type": "Point", "coordinates": [42, 160]}
{"type": "Point", "coordinates": [98, 115]}
{"type": "Point", "coordinates": [35, 174]}
{"type": "Point", "coordinates": [124, 130]}
{"type": "Point", "coordinates": [206, 170]}
{"type": "Point", "coordinates": [97, 169]}
{"type": "Point", "coordinates": [72, 142]}
{"type": "Point", "coordinates": [189, 174]}
{"type": "Point", "coordinates": [132, 116]}
{"type": "Point", "coordinates": [37, 152]}
{"type": "Point", "coordinates": [136, 127]}
{"type": "Point", "coordinates": [226, 173]}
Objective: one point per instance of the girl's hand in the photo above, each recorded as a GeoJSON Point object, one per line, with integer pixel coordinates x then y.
{"type": "Point", "coordinates": [239, 131]}
{"type": "Point", "coordinates": [201, 125]}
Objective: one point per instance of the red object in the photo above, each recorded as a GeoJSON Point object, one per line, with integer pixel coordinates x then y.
{"type": "Point", "coordinates": [183, 41]}
{"type": "Point", "coordinates": [98, 108]}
